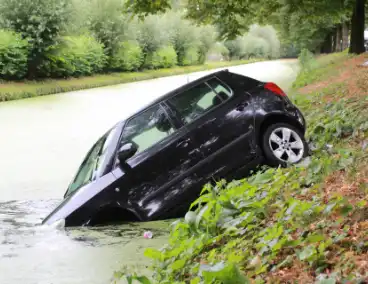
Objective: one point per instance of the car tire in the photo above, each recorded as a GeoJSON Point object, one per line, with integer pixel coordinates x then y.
{"type": "Point", "coordinates": [283, 145]}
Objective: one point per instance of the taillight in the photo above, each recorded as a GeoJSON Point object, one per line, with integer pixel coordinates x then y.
{"type": "Point", "coordinates": [275, 89]}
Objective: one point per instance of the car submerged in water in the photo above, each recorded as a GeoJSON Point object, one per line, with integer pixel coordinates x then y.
{"type": "Point", "coordinates": [154, 164]}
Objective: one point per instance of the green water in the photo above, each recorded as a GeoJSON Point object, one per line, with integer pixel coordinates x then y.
{"type": "Point", "coordinates": [43, 141]}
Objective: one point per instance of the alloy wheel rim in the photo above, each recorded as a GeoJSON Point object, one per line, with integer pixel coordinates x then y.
{"type": "Point", "coordinates": [286, 145]}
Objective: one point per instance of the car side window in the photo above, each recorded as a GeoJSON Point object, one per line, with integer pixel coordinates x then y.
{"type": "Point", "coordinates": [220, 88]}
{"type": "Point", "coordinates": [196, 101]}
{"type": "Point", "coordinates": [147, 128]}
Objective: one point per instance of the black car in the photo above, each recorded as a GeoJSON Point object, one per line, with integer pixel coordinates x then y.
{"type": "Point", "coordinates": [154, 164]}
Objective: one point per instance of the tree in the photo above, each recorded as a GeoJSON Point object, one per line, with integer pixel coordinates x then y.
{"type": "Point", "coordinates": [357, 28]}
{"type": "Point", "coordinates": [309, 23]}
{"type": "Point", "coordinates": [108, 24]}
{"type": "Point", "coordinates": [38, 21]}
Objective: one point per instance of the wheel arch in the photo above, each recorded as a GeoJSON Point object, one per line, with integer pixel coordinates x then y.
{"type": "Point", "coordinates": [277, 118]}
{"type": "Point", "coordinates": [113, 213]}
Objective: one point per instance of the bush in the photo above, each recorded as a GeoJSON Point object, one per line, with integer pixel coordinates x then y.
{"type": "Point", "coordinates": [260, 42]}
{"type": "Point", "coordinates": [164, 57]}
{"type": "Point", "coordinates": [255, 47]}
{"type": "Point", "coordinates": [191, 57]}
{"type": "Point", "coordinates": [40, 21]}
{"type": "Point", "coordinates": [109, 24]}
{"type": "Point", "coordinates": [218, 52]}
{"type": "Point", "coordinates": [307, 60]}
{"type": "Point", "coordinates": [269, 35]}
{"type": "Point", "coordinates": [188, 39]}
{"type": "Point", "coordinates": [13, 55]}
{"type": "Point", "coordinates": [128, 57]}
{"type": "Point", "coordinates": [154, 32]}
{"type": "Point", "coordinates": [235, 48]}
{"type": "Point", "coordinates": [74, 56]}
{"type": "Point", "coordinates": [207, 38]}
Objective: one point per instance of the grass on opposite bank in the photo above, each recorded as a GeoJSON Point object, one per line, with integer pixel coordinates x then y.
{"type": "Point", "coordinates": [11, 90]}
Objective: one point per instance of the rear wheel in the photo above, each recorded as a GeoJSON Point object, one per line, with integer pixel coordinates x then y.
{"type": "Point", "coordinates": [284, 144]}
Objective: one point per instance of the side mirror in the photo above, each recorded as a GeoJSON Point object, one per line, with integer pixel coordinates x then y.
{"type": "Point", "coordinates": [127, 151]}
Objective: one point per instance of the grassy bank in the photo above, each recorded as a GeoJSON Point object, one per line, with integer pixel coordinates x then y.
{"type": "Point", "coordinates": [26, 89]}
{"type": "Point", "coordinates": [304, 224]}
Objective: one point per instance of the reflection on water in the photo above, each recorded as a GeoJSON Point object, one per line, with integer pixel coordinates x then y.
{"type": "Point", "coordinates": [30, 253]}
{"type": "Point", "coordinates": [43, 140]}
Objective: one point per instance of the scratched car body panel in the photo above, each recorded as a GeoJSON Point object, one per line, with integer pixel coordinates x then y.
{"type": "Point", "coordinates": [154, 164]}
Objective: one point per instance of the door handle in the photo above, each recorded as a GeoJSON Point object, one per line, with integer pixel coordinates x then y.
{"type": "Point", "coordinates": [183, 143]}
{"type": "Point", "coordinates": [242, 106]}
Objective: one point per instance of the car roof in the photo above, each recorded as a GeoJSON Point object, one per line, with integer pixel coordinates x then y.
{"type": "Point", "coordinates": [175, 91]}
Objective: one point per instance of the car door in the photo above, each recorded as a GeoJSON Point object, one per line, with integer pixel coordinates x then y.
{"type": "Point", "coordinates": [156, 177]}
{"type": "Point", "coordinates": [221, 121]}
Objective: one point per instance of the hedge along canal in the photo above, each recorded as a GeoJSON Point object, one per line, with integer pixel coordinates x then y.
{"type": "Point", "coordinates": [43, 142]}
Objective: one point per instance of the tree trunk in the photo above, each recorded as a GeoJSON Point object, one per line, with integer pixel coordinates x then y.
{"type": "Point", "coordinates": [327, 44]}
{"type": "Point", "coordinates": [33, 64]}
{"type": "Point", "coordinates": [334, 41]}
{"type": "Point", "coordinates": [345, 36]}
{"type": "Point", "coordinates": [338, 39]}
{"type": "Point", "coordinates": [357, 28]}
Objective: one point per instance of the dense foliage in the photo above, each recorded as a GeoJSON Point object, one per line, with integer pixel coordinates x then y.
{"type": "Point", "coordinates": [129, 43]}
{"type": "Point", "coordinates": [259, 42]}
{"type": "Point", "coordinates": [163, 57]}
{"type": "Point", "coordinates": [108, 23]}
{"type": "Point", "coordinates": [39, 21]}
{"type": "Point", "coordinates": [13, 55]}
{"type": "Point", "coordinates": [282, 225]}
{"type": "Point", "coordinates": [127, 57]}
{"type": "Point", "coordinates": [74, 56]}
{"type": "Point", "coordinates": [315, 25]}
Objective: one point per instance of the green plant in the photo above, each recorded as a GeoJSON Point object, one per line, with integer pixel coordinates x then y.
{"type": "Point", "coordinates": [128, 57]}
{"type": "Point", "coordinates": [164, 57]}
{"type": "Point", "coordinates": [39, 21]}
{"type": "Point", "coordinates": [207, 37]}
{"type": "Point", "coordinates": [109, 25]}
{"type": "Point", "coordinates": [191, 57]}
{"type": "Point", "coordinates": [260, 42]}
{"type": "Point", "coordinates": [13, 55]}
{"type": "Point", "coordinates": [307, 60]}
{"type": "Point", "coordinates": [154, 33]}
{"type": "Point", "coordinates": [74, 56]}
{"type": "Point", "coordinates": [316, 70]}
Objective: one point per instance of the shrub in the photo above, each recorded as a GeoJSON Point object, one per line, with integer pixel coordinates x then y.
{"type": "Point", "coordinates": [13, 55]}
{"type": "Point", "coordinates": [188, 39]}
{"type": "Point", "coordinates": [207, 38]}
{"type": "Point", "coordinates": [191, 56]}
{"type": "Point", "coordinates": [307, 60]}
{"type": "Point", "coordinates": [80, 18]}
{"type": "Point", "coordinates": [267, 33]}
{"type": "Point", "coordinates": [255, 47]}
{"type": "Point", "coordinates": [74, 56]}
{"type": "Point", "coordinates": [234, 47]}
{"type": "Point", "coordinates": [154, 32]}
{"type": "Point", "coordinates": [108, 24]}
{"type": "Point", "coordinates": [128, 57]}
{"type": "Point", "coordinates": [164, 57]}
{"type": "Point", "coordinates": [218, 52]}
{"type": "Point", "coordinates": [40, 21]}
{"type": "Point", "coordinates": [259, 42]}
